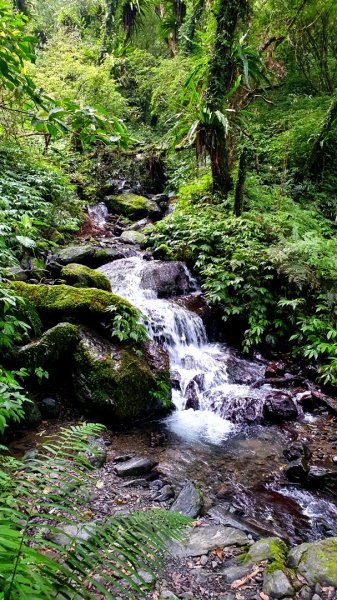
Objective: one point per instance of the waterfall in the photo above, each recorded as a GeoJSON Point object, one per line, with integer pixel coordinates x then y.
{"type": "Point", "coordinates": [207, 404]}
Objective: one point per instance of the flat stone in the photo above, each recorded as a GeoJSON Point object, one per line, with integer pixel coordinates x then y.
{"type": "Point", "coordinates": [277, 585]}
{"type": "Point", "coordinates": [221, 513]}
{"type": "Point", "coordinates": [144, 577]}
{"type": "Point", "coordinates": [317, 562]}
{"type": "Point", "coordinates": [135, 466]}
{"type": "Point", "coordinates": [133, 237]}
{"type": "Point", "coordinates": [136, 483]}
{"type": "Point", "coordinates": [202, 540]}
{"type": "Point", "coordinates": [188, 501]}
{"type": "Point", "coordinates": [233, 573]}
{"type": "Point", "coordinates": [73, 534]}
{"type": "Point", "coordinates": [164, 494]}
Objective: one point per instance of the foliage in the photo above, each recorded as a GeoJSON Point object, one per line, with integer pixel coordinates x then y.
{"type": "Point", "coordinates": [39, 556]}
{"type": "Point", "coordinates": [126, 325]}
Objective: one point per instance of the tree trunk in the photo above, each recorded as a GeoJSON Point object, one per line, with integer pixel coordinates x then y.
{"type": "Point", "coordinates": [238, 199]}
{"type": "Point", "coordinates": [21, 6]}
{"type": "Point", "coordinates": [222, 72]}
{"type": "Point", "coordinates": [187, 40]}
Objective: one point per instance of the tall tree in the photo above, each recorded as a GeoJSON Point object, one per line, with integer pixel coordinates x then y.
{"type": "Point", "coordinates": [211, 136]}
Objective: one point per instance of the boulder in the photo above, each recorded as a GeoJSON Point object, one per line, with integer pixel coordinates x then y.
{"type": "Point", "coordinates": [50, 408]}
{"type": "Point", "coordinates": [272, 549]}
{"type": "Point", "coordinates": [135, 466]}
{"type": "Point", "coordinates": [120, 384]}
{"type": "Point", "coordinates": [81, 254]}
{"type": "Point", "coordinates": [297, 471]}
{"type": "Point", "coordinates": [133, 237]}
{"type": "Point", "coordinates": [243, 371]}
{"type": "Point", "coordinates": [167, 279]}
{"type": "Point", "coordinates": [195, 303]}
{"type": "Point", "coordinates": [279, 406]}
{"type": "Point", "coordinates": [82, 276]}
{"type": "Point", "coordinates": [53, 346]}
{"type": "Point", "coordinates": [277, 585]}
{"type": "Point", "coordinates": [96, 454]}
{"type": "Point", "coordinates": [132, 206]}
{"type": "Point", "coordinates": [202, 540]}
{"type": "Point", "coordinates": [316, 561]}
{"type": "Point", "coordinates": [189, 501]}
{"type": "Point", "coordinates": [56, 302]}
{"type": "Point", "coordinates": [32, 413]}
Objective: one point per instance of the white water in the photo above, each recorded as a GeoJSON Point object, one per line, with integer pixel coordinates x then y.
{"type": "Point", "coordinates": [198, 367]}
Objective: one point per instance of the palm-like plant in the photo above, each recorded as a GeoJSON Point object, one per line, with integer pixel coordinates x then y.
{"type": "Point", "coordinates": [47, 546]}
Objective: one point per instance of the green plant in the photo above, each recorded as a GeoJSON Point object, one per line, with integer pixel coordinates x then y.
{"type": "Point", "coordinates": [40, 556]}
{"type": "Point", "coordinates": [126, 325]}
{"type": "Point", "coordinates": [12, 397]}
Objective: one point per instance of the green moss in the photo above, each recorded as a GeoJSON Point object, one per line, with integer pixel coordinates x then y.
{"type": "Point", "coordinates": [82, 276]}
{"type": "Point", "coordinates": [55, 302]}
{"type": "Point", "coordinates": [129, 205]}
{"type": "Point", "coordinates": [53, 346]}
{"type": "Point", "coordinates": [328, 558]}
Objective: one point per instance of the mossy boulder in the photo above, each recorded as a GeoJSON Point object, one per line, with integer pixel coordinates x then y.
{"type": "Point", "coordinates": [316, 561]}
{"type": "Point", "coordinates": [272, 549]}
{"type": "Point", "coordinates": [62, 302]}
{"type": "Point", "coordinates": [53, 346]}
{"type": "Point", "coordinates": [132, 206]}
{"type": "Point", "coordinates": [79, 254]}
{"type": "Point", "coordinates": [133, 237]}
{"type": "Point", "coordinates": [81, 276]}
{"type": "Point", "coordinates": [118, 382]}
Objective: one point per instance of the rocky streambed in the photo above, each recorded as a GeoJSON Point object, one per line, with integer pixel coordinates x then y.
{"type": "Point", "coordinates": [246, 447]}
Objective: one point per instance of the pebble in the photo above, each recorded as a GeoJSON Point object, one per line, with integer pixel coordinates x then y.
{"type": "Point", "coordinates": [316, 597]}
{"type": "Point", "coordinates": [204, 560]}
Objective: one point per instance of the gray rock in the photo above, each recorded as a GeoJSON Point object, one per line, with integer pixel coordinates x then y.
{"type": "Point", "coordinates": [133, 237]}
{"type": "Point", "coordinates": [189, 501]}
{"type": "Point", "coordinates": [167, 278]}
{"type": "Point", "coordinates": [222, 514]}
{"type": "Point", "coordinates": [168, 595]}
{"type": "Point", "coordinates": [266, 549]}
{"type": "Point", "coordinates": [306, 593]}
{"type": "Point", "coordinates": [164, 494]}
{"type": "Point", "coordinates": [50, 408]}
{"type": "Point", "coordinates": [317, 562]}
{"type": "Point", "coordinates": [96, 453]}
{"type": "Point", "coordinates": [134, 483]}
{"type": "Point", "coordinates": [71, 534]}
{"type": "Point", "coordinates": [17, 273]}
{"type": "Point", "coordinates": [144, 577]}
{"type": "Point", "coordinates": [74, 254]}
{"type": "Point", "coordinates": [135, 466]}
{"type": "Point", "coordinates": [233, 573]}
{"type": "Point", "coordinates": [280, 406]}
{"type": "Point", "coordinates": [202, 540]}
{"type": "Point", "coordinates": [122, 458]}
{"type": "Point", "coordinates": [204, 560]}
{"type": "Point", "coordinates": [277, 585]}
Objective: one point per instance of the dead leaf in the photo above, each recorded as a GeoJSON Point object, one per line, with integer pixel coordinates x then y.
{"type": "Point", "coordinates": [264, 596]}
{"type": "Point", "coordinates": [218, 551]}
{"type": "Point", "coordinates": [239, 582]}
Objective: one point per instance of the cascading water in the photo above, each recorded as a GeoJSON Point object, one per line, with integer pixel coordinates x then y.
{"type": "Point", "coordinates": [207, 404]}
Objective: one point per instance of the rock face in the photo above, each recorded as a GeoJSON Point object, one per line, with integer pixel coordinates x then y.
{"type": "Point", "coordinates": [189, 501]}
{"type": "Point", "coordinates": [118, 383]}
{"type": "Point", "coordinates": [167, 279]}
{"type": "Point", "coordinates": [202, 540]}
{"type": "Point", "coordinates": [135, 466]}
{"type": "Point", "coordinates": [317, 562]}
{"type": "Point", "coordinates": [55, 302]}
{"type": "Point", "coordinates": [280, 406]}
{"type": "Point", "coordinates": [81, 276]}
{"type": "Point", "coordinates": [132, 206]}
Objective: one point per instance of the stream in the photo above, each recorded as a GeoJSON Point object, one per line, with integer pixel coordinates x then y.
{"type": "Point", "coordinates": [216, 434]}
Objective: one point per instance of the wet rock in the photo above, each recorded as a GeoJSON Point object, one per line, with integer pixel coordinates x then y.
{"type": "Point", "coordinates": [122, 458]}
{"type": "Point", "coordinates": [96, 454]}
{"type": "Point", "coordinates": [296, 452]}
{"type": "Point", "coordinates": [192, 392]}
{"type": "Point", "coordinates": [188, 501]}
{"type": "Point", "coordinates": [117, 382]}
{"type": "Point", "coordinates": [196, 303]}
{"type": "Point", "coordinates": [297, 471]}
{"type": "Point", "coordinates": [167, 279]}
{"type": "Point", "coordinates": [266, 549]}
{"type": "Point", "coordinates": [133, 237]}
{"type": "Point", "coordinates": [135, 466]}
{"type": "Point", "coordinates": [166, 493]}
{"type": "Point", "coordinates": [139, 225]}
{"type": "Point", "coordinates": [222, 514]}
{"type": "Point", "coordinates": [103, 256]}
{"type": "Point", "coordinates": [50, 408]}
{"type": "Point", "coordinates": [73, 254]}
{"type": "Point", "coordinates": [279, 406]}
{"type": "Point", "coordinates": [314, 399]}
{"type": "Point", "coordinates": [202, 540]}
{"type": "Point", "coordinates": [82, 276]}
{"type": "Point", "coordinates": [319, 477]}
{"type": "Point", "coordinates": [277, 585]}
{"type": "Point", "coordinates": [243, 371]}
{"type": "Point", "coordinates": [274, 369]}
{"type": "Point", "coordinates": [316, 561]}
{"type": "Point", "coordinates": [233, 573]}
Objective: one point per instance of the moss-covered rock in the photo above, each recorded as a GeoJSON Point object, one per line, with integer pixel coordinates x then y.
{"type": "Point", "coordinates": [80, 254]}
{"type": "Point", "coordinates": [120, 383]}
{"type": "Point", "coordinates": [272, 549]}
{"type": "Point", "coordinates": [58, 302]}
{"type": "Point", "coordinates": [53, 346]}
{"type": "Point", "coordinates": [82, 276]}
{"type": "Point", "coordinates": [132, 206]}
{"type": "Point", "coordinates": [133, 237]}
{"type": "Point", "coordinates": [317, 562]}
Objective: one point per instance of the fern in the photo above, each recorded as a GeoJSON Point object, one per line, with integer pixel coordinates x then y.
{"type": "Point", "coordinates": [40, 557]}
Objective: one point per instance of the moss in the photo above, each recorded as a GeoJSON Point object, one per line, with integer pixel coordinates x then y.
{"type": "Point", "coordinates": [82, 276]}
{"type": "Point", "coordinates": [129, 205]}
{"type": "Point", "coordinates": [327, 557]}
{"type": "Point", "coordinates": [55, 302]}
{"type": "Point", "coordinates": [52, 347]}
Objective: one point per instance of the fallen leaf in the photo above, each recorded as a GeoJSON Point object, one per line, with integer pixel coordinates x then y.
{"type": "Point", "coordinates": [264, 596]}
{"type": "Point", "coordinates": [219, 553]}
{"type": "Point", "coordinates": [239, 582]}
